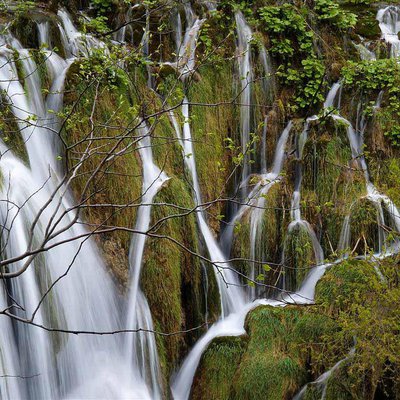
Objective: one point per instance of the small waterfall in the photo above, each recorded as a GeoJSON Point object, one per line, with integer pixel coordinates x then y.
{"type": "Point", "coordinates": [256, 199]}
{"type": "Point", "coordinates": [244, 35]}
{"type": "Point", "coordinates": [322, 382]}
{"type": "Point", "coordinates": [295, 210]}
{"type": "Point", "coordinates": [332, 94]}
{"type": "Point", "coordinates": [232, 299]}
{"type": "Point", "coordinates": [186, 47]}
{"type": "Point", "coordinates": [143, 346]}
{"type": "Point", "coordinates": [125, 33]}
{"type": "Point", "coordinates": [363, 50]}
{"type": "Point", "coordinates": [74, 42]}
{"type": "Point", "coordinates": [257, 203]}
{"type": "Point", "coordinates": [231, 296]}
{"type": "Point", "coordinates": [389, 23]}
{"type": "Point", "coordinates": [230, 293]}
{"type": "Point", "coordinates": [356, 140]}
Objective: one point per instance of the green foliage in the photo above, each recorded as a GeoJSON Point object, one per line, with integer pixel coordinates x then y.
{"type": "Point", "coordinates": [104, 66]}
{"type": "Point", "coordinates": [365, 308]}
{"type": "Point", "coordinates": [291, 40]}
{"type": "Point", "coordinates": [371, 77]}
{"type": "Point", "coordinates": [217, 369]}
{"type": "Point", "coordinates": [288, 29]}
{"type": "Point", "coordinates": [308, 80]}
{"type": "Point", "coordinates": [19, 7]}
{"type": "Point", "coordinates": [331, 12]}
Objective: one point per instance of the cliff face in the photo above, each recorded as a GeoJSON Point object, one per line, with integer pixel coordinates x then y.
{"type": "Point", "coordinates": [278, 207]}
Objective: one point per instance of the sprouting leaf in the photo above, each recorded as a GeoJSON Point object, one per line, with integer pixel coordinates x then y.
{"type": "Point", "coordinates": [266, 267]}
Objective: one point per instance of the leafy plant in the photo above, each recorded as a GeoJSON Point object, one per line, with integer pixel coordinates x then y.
{"type": "Point", "coordinates": [330, 11]}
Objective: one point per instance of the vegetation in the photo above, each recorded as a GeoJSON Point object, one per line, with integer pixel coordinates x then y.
{"type": "Point", "coordinates": [298, 50]}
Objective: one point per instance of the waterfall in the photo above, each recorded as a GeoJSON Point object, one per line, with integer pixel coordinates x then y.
{"type": "Point", "coordinates": [244, 35]}
{"type": "Point", "coordinates": [363, 50]}
{"type": "Point", "coordinates": [322, 382]}
{"type": "Point", "coordinates": [295, 209]}
{"type": "Point", "coordinates": [389, 23]}
{"type": "Point", "coordinates": [230, 293]}
{"type": "Point", "coordinates": [257, 203]}
{"type": "Point", "coordinates": [356, 141]}
{"type": "Point", "coordinates": [83, 296]}
{"type": "Point", "coordinates": [143, 346]}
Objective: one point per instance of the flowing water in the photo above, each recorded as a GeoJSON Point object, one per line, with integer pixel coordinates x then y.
{"type": "Point", "coordinates": [43, 364]}
{"type": "Point", "coordinates": [143, 346]}
{"type": "Point", "coordinates": [244, 36]}
{"type": "Point", "coordinates": [389, 23]}
{"type": "Point", "coordinates": [54, 364]}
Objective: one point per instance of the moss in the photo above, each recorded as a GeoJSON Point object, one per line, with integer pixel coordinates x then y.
{"type": "Point", "coordinates": [364, 227]}
{"type": "Point", "coordinates": [210, 126]}
{"type": "Point", "coordinates": [367, 25]}
{"type": "Point", "coordinates": [170, 269]}
{"type": "Point", "coordinates": [344, 283]}
{"type": "Point", "coordinates": [269, 369]}
{"type": "Point", "coordinates": [119, 182]}
{"type": "Point", "coordinates": [387, 178]}
{"type": "Point", "coordinates": [299, 257]}
{"type": "Point", "coordinates": [217, 369]}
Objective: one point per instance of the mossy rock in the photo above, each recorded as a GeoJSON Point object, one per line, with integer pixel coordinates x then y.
{"type": "Point", "coordinates": [364, 227]}
{"type": "Point", "coordinates": [119, 183]}
{"type": "Point", "coordinates": [367, 25]}
{"type": "Point", "coordinates": [342, 284]}
{"type": "Point", "coordinates": [217, 368]}
{"type": "Point", "coordinates": [299, 257]}
{"type": "Point", "coordinates": [387, 177]}
{"type": "Point", "coordinates": [269, 368]}
{"type": "Point", "coordinates": [330, 182]}
{"type": "Point", "coordinates": [211, 125]}
{"type": "Point", "coordinates": [168, 267]}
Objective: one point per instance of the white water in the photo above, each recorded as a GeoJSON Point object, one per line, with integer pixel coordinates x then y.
{"type": "Point", "coordinates": [363, 50]}
{"type": "Point", "coordinates": [244, 35]}
{"type": "Point", "coordinates": [356, 141]}
{"type": "Point", "coordinates": [322, 382]}
{"type": "Point", "coordinates": [295, 210]}
{"type": "Point", "coordinates": [186, 46]}
{"type": "Point", "coordinates": [55, 365]}
{"type": "Point", "coordinates": [389, 23]}
{"type": "Point", "coordinates": [143, 346]}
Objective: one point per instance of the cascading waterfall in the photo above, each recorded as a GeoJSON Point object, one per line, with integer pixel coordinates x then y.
{"type": "Point", "coordinates": [233, 324]}
{"type": "Point", "coordinates": [230, 293]}
{"type": "Point", "coordinates": [55, 364]}
{"type": "Point", "coordinates": [295, 210]}
{"type": "Point", "coordinates": [389, 23]}
{"type": "Point", "coordinates": [322, 382]}
{"type": "Point", "coordinates": [59, 365]}
{"type": "Point", "coordinates": [363, 50]}
{"type": "Point", "coordinates": [244, 35]}
{"type": "Point", "coordinates": [255, 203]}
{"type": "Point", "coordinates": [143, 346]}
{"type": "Point", "coordinates": [356, 141]}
